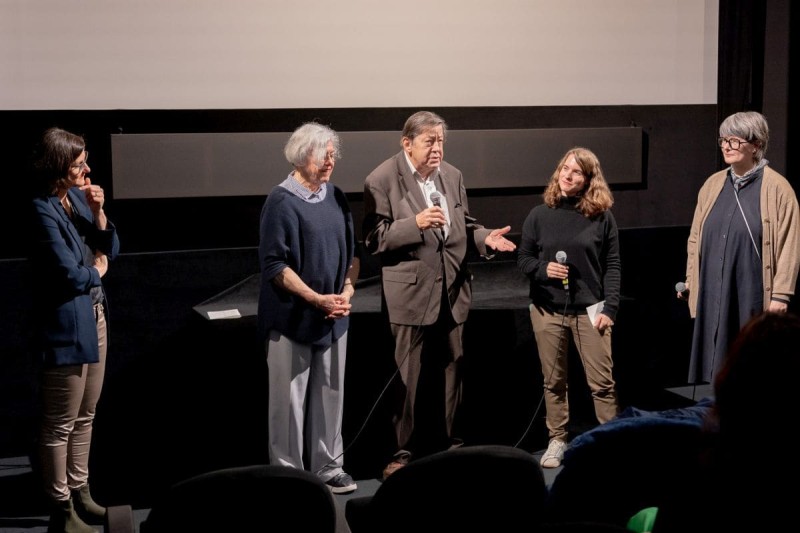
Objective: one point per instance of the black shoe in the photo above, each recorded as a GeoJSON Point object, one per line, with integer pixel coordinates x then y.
{"type": "Point", "coordinates": [341, 483]}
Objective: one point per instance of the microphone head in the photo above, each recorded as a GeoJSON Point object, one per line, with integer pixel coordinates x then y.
{"type": "Point", "coordinates": [436, 198]}
{"type": "Point", "coordinates": [680, 287]}
{"type": "Point", "coordinates": [561, 257]}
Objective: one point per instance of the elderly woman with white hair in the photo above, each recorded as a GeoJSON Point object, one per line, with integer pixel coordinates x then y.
{"type": "Point", "coordinates": [744, 245]}
{"type": "Point", "coordinates": [308, 271]}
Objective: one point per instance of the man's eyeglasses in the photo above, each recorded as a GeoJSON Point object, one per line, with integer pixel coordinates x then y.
{"type": "Point", "coordinates": [82, 165]}
{"type": "Point", "coordinates": [733, 143]}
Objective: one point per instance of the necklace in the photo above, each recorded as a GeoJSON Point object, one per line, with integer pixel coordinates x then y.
{"type": "Point", "coordinates": [67, 206]}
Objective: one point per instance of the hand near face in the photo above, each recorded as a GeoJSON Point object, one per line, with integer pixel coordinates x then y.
{"type": "Point", "coordinates": [94, 195]}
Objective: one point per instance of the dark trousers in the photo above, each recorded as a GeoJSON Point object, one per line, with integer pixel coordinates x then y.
{"type": "Point", "coordinates": [429, 361]}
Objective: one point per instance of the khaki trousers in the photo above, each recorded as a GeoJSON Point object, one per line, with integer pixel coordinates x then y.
{"type": "Point", "coordinates": [553, 332]}
{"type": "Point", "coordinates": [69, 398]}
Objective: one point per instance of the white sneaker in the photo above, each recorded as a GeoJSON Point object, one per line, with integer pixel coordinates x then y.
{"type": "Point", "coordinates": [554, 454]}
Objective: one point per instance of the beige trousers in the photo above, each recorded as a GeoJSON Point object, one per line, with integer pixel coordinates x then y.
{"type": "Point", "coordinates": [69, 398]}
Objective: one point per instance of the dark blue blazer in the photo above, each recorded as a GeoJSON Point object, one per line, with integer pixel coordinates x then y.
{"type": "Point", "coordinates": [62, 276]}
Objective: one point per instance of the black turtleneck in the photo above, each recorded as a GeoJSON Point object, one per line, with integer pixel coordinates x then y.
{"type": "Point", "coordinates": [592, 248]}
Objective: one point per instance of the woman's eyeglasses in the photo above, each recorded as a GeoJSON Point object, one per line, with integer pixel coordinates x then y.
{"type": "Point", "coordinates": [732, 142]}
{"type": "Point", "coordinates": [82, 165]}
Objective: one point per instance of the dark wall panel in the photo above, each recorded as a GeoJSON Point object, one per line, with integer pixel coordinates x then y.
{"type": "Point", "coordinates": [678, 152]}
{"type": "Point", "coordinates": [203, 165]}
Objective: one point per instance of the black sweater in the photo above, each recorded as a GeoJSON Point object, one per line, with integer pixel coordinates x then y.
{"type": "Point", "coordinates": [592, 248]}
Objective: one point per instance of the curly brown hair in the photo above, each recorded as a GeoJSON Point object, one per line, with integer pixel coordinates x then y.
{"type": "Point", "coordinates": [596, 196]}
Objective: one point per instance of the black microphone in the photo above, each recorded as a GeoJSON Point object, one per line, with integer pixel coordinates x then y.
{"type": "Point", "coordinates": [681, 288]}
{"type": "Point", "coordinates": [561, 257]}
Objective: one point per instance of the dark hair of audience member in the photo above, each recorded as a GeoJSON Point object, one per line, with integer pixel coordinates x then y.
{"type": "Point", "coordinates": [756, 385]}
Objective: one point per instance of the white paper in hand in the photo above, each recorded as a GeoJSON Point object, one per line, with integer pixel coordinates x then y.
{"type": "Point", "coordinates": [594, 310]}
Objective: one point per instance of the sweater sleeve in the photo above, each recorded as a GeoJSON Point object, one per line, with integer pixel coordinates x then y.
{"type": "Point", "coordinates": [786, 243]}
{"type": "Point", "coordinates": [612, 265]}
{"type": "Point", "coordinates": [276, 232]}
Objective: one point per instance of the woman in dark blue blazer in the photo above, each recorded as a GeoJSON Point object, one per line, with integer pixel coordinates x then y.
{"type": "Point", "coordinates": [71, 245]}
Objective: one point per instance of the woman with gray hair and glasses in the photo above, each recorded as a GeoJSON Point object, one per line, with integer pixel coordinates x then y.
{"type": "Point", "coordinates": [743, 250]}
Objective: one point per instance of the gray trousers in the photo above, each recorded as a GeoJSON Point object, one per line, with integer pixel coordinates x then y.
{"type": "Point", "coordinates": [306, 402]}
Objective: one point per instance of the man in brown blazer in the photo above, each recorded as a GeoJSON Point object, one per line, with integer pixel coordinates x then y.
{"type": "Point", "coordinates": [417, 221]}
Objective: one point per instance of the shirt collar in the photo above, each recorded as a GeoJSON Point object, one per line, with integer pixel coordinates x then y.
{"type": "Point", "coordinates": [293, 186]}
{"type": "Point", "coordinates": [416, 174]}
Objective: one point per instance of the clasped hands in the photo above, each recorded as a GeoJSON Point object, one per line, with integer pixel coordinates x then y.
{"type": "Point", "coordinates": [335, 305]}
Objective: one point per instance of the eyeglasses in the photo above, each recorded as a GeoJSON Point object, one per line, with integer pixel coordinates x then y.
{"type": "Point", "coordinates": [732, 142]}
{"type": "Point", "coordinates": [83, 165]}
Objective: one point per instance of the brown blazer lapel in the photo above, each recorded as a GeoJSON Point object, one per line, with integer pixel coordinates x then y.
{"type": "Point", "coordinates": [410, 186]}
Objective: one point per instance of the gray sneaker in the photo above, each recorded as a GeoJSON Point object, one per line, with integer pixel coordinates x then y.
{"type": "Point", "coordinates": [341, 483]}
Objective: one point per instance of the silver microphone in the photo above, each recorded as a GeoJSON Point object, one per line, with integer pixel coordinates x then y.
{"type": "Point", "coordinates": [436, 200]}
{"type": "Point", "coordinates": [561, 258]}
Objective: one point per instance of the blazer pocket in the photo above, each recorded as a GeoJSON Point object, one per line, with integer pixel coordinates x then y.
{"type": "Point", "coordinates": [61, 327]}
{"type": "Point", "coordinates": [400, 277]}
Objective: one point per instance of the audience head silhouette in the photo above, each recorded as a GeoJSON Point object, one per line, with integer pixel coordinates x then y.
{"type": "Point", "coordinates": [743, 481]}
{"type": "Point", "coordinates": [756, 385]}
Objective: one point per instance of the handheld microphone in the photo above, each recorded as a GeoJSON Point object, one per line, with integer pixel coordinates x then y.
{"type": "Point", "coordinates": [436, 200]}
{"type": "Point", "coordinates": [681, 288]}
{"type": "Point", "coordinates": [561, 258]}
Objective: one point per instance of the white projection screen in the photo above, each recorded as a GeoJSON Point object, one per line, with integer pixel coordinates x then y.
{"type": "Point", "coordinates": [268, 54]}
{"type": "Point", "coordinates": [98, 55]}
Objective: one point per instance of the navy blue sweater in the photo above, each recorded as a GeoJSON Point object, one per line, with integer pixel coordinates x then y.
{"type": "Point", "coordinates": [316, 241]}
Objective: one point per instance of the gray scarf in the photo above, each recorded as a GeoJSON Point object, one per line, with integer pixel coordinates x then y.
{"type": "Point", "coordinates": [741, 181]}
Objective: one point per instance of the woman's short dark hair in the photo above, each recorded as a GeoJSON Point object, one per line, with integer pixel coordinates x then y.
{"type": "Point", "coordinates": [54, 155]}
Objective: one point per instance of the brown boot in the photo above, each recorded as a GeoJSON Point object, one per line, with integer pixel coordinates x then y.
{"type": "Point", "coordinates": [63, 519]}
{"type": "Point", "coordinates": [90, 511]}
